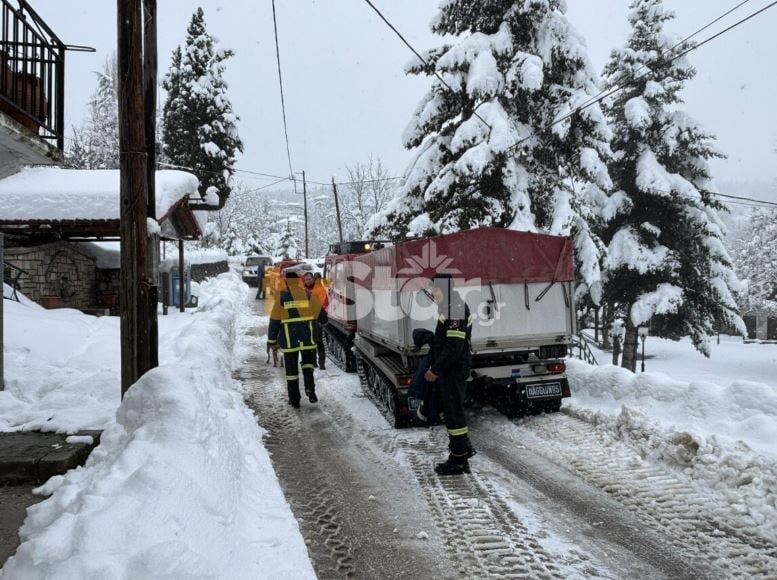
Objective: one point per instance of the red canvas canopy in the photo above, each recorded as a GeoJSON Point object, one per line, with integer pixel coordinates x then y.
{"type": "Point", "coordinates": [495, 255]}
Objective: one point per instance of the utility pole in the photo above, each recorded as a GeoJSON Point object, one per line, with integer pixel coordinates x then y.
{"type": "Point", "coordinates": [305, 197]}
{"type": "Point", "coordinates": [149, 98]}
{"type": "Point", "coordinates": [337, 211]}
{"type": "Point", "coordinates": [134, 297]}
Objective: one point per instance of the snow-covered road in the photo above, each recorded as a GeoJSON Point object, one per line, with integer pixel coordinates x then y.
{"type": "Point", "coordinates": [549, 496]}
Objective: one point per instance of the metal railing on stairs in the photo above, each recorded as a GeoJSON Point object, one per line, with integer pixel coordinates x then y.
{"type": "Point", "coordinates": [11, 275]}
{"type": "Point", "coordinates": [582, 349]}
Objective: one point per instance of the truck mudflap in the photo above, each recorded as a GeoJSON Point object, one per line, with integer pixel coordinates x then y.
{"type": "Point", "coordinates": [517, 399]}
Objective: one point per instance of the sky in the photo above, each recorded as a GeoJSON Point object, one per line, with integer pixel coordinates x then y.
{"type": "Point", "coordinates": [347, 96]}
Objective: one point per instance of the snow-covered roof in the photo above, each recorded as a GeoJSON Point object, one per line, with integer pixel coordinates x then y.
{"type": "Point", "coordinates": [56, 194]}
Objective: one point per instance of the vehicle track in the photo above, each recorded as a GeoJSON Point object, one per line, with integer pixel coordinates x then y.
{"type": "Point", "coordinates": [666, 502]}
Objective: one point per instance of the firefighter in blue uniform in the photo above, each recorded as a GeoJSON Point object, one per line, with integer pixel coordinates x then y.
{"type": "Point", "coordinates": [292, 322]}
{"type": "Point", "coordinates": [450, 367]}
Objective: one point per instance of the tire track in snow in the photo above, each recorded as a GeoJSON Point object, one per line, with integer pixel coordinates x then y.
{"type": "Point", "coordinates": [663, 500]}
{"type": "Point", "coordinates": [482, 533]}
{"type": "Point", "coordinates": [307, 490]}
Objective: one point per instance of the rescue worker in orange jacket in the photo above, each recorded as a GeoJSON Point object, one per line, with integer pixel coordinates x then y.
{"type": "Point", "coordinates": [313, 285]}
{"type": "Point", "coordinates": [292, 322]}
{"type": "Point", "coordinates": [450, 366]}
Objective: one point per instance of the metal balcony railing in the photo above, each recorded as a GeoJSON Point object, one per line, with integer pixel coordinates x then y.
{"type": "Point", "coordinates": [32, 72]}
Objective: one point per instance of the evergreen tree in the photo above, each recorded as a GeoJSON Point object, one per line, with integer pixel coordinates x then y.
{"type": "Point", "coordinates": [666, 263]}
{"type": "Point", "coordinates": [200, 129]}
{"type": "Point", "coordinates": [96, 144]}
{"type": "Point", "coordinates": [287, 244]}
{"type": "Point", "coordinates": [755, 256]}
{"type": "Point", "coordinates": [515, 69]}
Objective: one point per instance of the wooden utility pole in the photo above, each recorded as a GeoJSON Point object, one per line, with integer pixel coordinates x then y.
{"type": "Point", "coordinates": [305, 202]}
{"type": "Point", "coordinates": [134, 298]}
{"type": "Point", "coordinates": [149, 101]}
{"type": "Point", "coordinates": [337, 211]}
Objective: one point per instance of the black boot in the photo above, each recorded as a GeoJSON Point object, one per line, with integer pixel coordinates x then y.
{"type": "Point", "coordinates": [453, 466]}
{"type": "Point", "coordinates": [294, 403]}
{"type": "Point", "coordinates": [311, 393]}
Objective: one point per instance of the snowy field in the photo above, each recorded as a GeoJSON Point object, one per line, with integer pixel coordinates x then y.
{"type": "Point", "coordinates": [180, 485]}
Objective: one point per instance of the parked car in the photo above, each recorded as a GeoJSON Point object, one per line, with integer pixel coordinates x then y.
{"type": "Point", "coordinates": [251, 265]}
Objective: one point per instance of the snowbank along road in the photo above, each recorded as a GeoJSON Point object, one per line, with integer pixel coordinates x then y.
{"type": "Point", "coordinates": [549, 496]}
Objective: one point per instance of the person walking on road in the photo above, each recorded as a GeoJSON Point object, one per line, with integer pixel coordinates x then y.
{"type": "Point", "coordinates": [292, 320]}
{"type": "Point", "coordinates": [450, 367]}
{"type": "Point", "coordinates": [313, 285]}
{"type": "Point", "coordinates": [260, 282]}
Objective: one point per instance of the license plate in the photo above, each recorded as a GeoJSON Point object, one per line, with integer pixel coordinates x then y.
{"type": "Point", "coordinates": [543, 391]}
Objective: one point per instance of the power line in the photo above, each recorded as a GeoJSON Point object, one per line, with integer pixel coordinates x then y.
{"type": "Point", "coordinates": [738, 199]}
{"type": "Point", "coordinates": [741, 199]}
{"type": "Point", "coordinates": [421, 58]}
{"type": "Point", "coordinates": [280, 178]}
{"type": "Point", "coordinates": [283, 101]}
{"type": "Point", "coordinates": [617, 89]}
{"type": "Point", "coordinates": [682, 42]}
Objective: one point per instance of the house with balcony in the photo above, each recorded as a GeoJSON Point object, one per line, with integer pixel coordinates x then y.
{"type": "Point", "coordinates": [32, 89]}
{"type": "Point", "coordinates": [50, 217]}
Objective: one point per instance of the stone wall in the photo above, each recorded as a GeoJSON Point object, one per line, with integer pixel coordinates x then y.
{"type": "Point", "coordinates": [55, 273]}
{"type": "Point", "coordinates": [201, 271]}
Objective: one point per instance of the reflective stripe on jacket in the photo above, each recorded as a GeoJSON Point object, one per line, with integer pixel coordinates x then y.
{"type": "Point", "coordinates": [452, 341]}
{"type": "Point", "coordinates": [292, 318]}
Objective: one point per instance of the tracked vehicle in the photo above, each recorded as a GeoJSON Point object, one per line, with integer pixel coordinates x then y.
{"type": "Point", "coordinates": [519, 289]}
{"type": "Point", "coordinates": [341, 330]}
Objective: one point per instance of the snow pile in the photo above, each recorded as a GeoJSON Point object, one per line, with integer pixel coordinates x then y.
{"type": "Point", "coordinates": [180, 486]}
{"type": "Point", "coordinates": [53, 193]}
{"type": "Point", "coordinates": [722, 437]}
{"type": "Point", "coordinates": [61, 369]}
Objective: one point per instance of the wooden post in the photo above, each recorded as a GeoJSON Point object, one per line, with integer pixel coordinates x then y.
{"type": "Point", "coordinates": [629, 357]}
{"type": "Point", "coordinates": [596, 324]}
{"type": "Point", "coordinates": [181, 287]}
{"type": "Point", "coordinates": [616, 349]}
{"type": "Point", "coordinates": [133, 196]}
{"type": "Point", "coordinates": [149, 101]}
{"type": "Point", "coordinates": [305, 202]}
{"type": "Point", "coordinates": [337, 211]}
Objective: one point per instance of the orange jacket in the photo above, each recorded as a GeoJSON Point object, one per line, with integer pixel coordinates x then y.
{"type": "Point", "coordinates": [320, 293]}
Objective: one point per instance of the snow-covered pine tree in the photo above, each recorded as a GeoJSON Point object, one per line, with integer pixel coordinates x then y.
{"type": "Point", "coordinates": [287, 244]}
{"type": "Point", "coordinates": [755, 256]}
{"type": "Point", "coordinates": [96, 144]}
{"type": "Point", "coordinates": [200, 128]}
{"type": "Point", "coordinates": [515, 69]}
{"type": "Point", "coordinates": [666, 263]}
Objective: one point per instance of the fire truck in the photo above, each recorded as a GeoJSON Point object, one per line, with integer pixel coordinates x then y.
{"type": "Point", "coordinates": [518, 286]}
